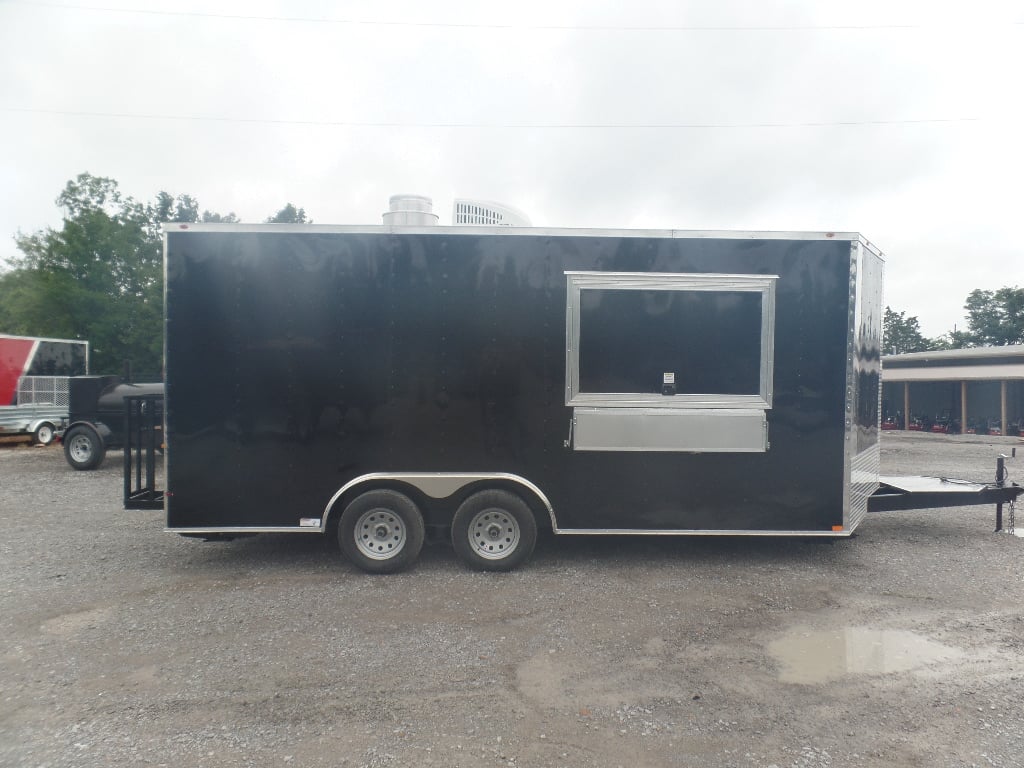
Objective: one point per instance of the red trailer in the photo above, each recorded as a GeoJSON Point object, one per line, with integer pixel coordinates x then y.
{"type": "Point", "coordinates": [34, 375]}
{"type": "Point", "coordinates": [35, 356]}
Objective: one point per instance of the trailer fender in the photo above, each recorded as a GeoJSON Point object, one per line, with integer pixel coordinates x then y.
{"type": "Point", "coordinates": [440, 485]}
{"type": "Point", "coordinates": [98, 427]}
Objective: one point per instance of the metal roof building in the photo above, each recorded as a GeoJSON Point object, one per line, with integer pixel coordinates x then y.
{"type": "Point", "coordinates": [465, 211]}
{"type": "Point", "coordinates": [980, 390]}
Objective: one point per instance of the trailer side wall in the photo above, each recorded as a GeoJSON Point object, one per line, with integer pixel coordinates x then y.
{"type": "Point", "coordinates": [297, 361]}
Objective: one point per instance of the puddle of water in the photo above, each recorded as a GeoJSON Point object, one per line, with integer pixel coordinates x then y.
{"type": "Point", "coordinates": [817, 656]}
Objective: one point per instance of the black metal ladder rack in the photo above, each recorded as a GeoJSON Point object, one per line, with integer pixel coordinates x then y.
{"type": "Point", "coordinates": [143, 436]}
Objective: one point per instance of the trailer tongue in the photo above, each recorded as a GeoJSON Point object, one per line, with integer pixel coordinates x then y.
{"type": "Point", "coordinates": [905, 493]}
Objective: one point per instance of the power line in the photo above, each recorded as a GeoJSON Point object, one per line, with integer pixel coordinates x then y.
{"type": "Point", "coordinates": [486, 125]}
{"type": "Point", "coordinates": [519, 27]}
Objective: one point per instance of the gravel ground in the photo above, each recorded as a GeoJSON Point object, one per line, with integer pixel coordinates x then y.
{"type": "Point", "coordinates": [124, 645]}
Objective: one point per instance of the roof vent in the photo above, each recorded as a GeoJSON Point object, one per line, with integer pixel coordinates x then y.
{"type": "Point", "coordinates": [410, 211]}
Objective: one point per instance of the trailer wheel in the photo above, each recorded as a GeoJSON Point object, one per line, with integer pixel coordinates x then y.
{"type": "Point", "coordinates": [494, 530]}
{"type": "Point", "coordinates": [44, 434]}
{"type": "Point", "coordinates": [381, 531]}
{"type": "Point", "coordinates": [83, 448]}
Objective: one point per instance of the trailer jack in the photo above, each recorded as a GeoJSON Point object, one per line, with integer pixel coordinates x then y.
{"type": "Point", "coordinates": [1001, 483]}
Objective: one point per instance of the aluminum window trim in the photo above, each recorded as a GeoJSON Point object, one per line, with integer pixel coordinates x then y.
{"type": "Point", "coordinates": [578, 281]}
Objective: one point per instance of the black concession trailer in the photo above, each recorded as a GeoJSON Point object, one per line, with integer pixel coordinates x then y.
{"type": "Point", "coordinates": [376, 383]}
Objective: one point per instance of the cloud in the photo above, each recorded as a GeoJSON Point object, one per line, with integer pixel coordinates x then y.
{"type": "Point", "coordinates": [940, 197]}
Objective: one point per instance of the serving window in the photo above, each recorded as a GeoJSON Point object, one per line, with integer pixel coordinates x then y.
{"type": "Point", "coordinates": [669, 341]}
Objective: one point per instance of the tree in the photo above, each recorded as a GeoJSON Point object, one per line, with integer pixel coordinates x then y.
{"type": "Point", "coordinates": [15, 289]}
{"type": "Point", "coordinates": [290, 215]}
{"type": "Point", "coordinates": [100, 276]}
{"type": "Point", "coordinates": [901, 334]}
{"type": "Point", "coordinates": [995, 318]}
{"type": "Point", "coordinates": [209, 217]}
{"type": "Point", "coordinates": [185, 208]}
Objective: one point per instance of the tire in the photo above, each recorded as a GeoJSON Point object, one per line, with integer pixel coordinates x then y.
{"type": "Point", "coordinates": [84, 448]}
{"type": "Point", "coordinates": [381, 531]}
{"type": "Point", "coordinates": [44, 434]}
{"type": "Point", "coordinates": [494, 530]}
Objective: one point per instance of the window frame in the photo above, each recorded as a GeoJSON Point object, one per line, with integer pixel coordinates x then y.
{"type": "Point", "coordinates": [577, 282]}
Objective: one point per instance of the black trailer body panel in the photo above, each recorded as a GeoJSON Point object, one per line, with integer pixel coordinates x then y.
{"type": "Point", "coordinates": [299, 359]}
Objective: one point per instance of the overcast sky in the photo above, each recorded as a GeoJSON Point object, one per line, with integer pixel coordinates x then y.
{"type": "Point", "coordinates": [899, 120]}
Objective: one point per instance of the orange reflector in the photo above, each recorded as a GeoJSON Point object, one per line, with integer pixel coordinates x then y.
{"type": "Point", "coordinates": [837, 527]}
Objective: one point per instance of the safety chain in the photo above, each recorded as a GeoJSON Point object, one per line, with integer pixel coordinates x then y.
{"type": "Point", "coordinates": [1002, 476]}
